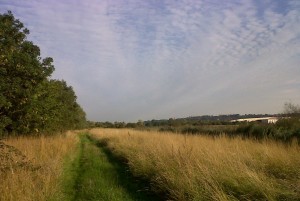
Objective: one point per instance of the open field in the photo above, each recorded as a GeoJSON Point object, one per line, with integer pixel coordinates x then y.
{"type": "Point", "coordinates": [31, 167]}
{"type": "Point", "coordinates": [65, 168]}
{"type": "Point", "coordinates": [204, 168]}
{"type": "Point", "coordinates": [86, 166]}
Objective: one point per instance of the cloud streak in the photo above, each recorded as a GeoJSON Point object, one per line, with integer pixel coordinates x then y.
{"type": "Point", "coordinates": [130, 60]}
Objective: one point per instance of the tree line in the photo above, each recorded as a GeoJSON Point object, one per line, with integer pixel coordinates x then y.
{"type": "Point", "coordinates": [31, 102]}
{"type": "Point", "coordinates": [286, 128]}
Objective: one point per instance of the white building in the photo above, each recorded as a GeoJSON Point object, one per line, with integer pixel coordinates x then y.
{"type": "Point", "coordinates": [269, 120]}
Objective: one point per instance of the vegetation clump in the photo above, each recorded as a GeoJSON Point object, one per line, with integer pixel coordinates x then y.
{"type": "Point", "coordinates": [31, 168]}
{"type": "Point", "coordinates": [12, 158]}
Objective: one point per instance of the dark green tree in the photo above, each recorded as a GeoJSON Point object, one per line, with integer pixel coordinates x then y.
{"type": "Point", "coordinates": [21, 71]}
{"type": "Point", "coordinates": [54, 108]}
{"type": "Point", "coordinates": [29, 101]}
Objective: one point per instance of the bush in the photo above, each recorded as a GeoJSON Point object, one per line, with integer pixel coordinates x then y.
{"type": "Point", "coordinates": [167, 129]}
{"type": "Point", "coordinates": [284, 129]}
{"type": "Point", "coordinates": [191, 130]}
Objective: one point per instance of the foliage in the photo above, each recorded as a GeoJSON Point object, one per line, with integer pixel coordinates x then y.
{"type": "Point", "coordinates": [291, 109]}
{"type": "Point", "coordinates": [29, 101]}
{"type": "Point", "coordinates": [286, 128]}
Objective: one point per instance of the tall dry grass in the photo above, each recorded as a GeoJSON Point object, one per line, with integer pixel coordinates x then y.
{"type": "Point", "coordinates": [205, 168]}
{"type": "Point", "coordinates": [38, 177]}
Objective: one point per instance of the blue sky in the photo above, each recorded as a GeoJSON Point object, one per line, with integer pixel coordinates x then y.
{"type": "Point", "coordinates": [153, 59]}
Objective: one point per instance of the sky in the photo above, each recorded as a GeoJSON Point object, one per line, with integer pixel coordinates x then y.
{"type": "Point", "coordinates": [153, 59]}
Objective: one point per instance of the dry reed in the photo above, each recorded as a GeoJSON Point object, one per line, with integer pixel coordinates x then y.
{"type": "Point", "coordinates": [37, 177]}
{"type": "Point", "coordinates": [205, 168]}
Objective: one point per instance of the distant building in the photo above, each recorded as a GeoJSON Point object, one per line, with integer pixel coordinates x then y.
{"type": "Point", "coordinates": [269, 120]}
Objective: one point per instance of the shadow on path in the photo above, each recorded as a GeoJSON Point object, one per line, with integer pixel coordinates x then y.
{"type": "Point", "coordinates": [137, 188]}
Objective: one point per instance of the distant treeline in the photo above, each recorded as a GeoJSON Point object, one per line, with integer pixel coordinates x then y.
{"type": "Point", "coordinates": [285, 129]}
{"type": "Point", "coordinates": [31, 102]}
{"type": "Point", "coordinates": [228, 117]}
{"type": "Point", "coordinates": [180, 122]}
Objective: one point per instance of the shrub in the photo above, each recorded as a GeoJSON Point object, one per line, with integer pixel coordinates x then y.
{"type": "Point", "coordinates": [167, 129]}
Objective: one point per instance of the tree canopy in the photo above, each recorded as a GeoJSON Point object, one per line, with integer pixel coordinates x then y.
{"type": "Point", "coordinates": [31, 102]}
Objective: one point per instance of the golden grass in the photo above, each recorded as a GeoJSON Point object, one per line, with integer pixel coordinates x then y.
{"type": "Point", "coordinates": [205, 168]}
{"type": "Point", "coordinates": [38, 177]}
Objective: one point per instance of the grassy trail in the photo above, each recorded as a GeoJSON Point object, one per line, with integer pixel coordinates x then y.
{"type": "Point", "coordinates": [95, 175]}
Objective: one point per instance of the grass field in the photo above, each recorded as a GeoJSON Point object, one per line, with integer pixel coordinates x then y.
{"type": "Point", "coordinates": [65, 168]}
{"type": "Point", "coordinates": [190, 167]}
{"type": "Point", "coordinates": [90, 166]}
{"type": "Point", "coordinates": [31, 167]}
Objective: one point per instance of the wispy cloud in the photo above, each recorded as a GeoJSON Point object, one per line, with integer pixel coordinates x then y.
{"type": "Point", "coordinates": [157, 59]}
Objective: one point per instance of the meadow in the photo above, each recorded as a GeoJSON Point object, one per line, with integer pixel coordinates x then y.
{"type": "Point", "coordinates": [199, 167]}
{"type": "Point", "coordinates": [108, 164]}
{"type": "Point", "coordinates": [31, 168]}
{"type": "Point", "coordinates": [64, 167]}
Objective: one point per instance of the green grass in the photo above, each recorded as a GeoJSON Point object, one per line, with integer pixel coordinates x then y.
{"type": "Point", "coordinates": [95, 175]}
